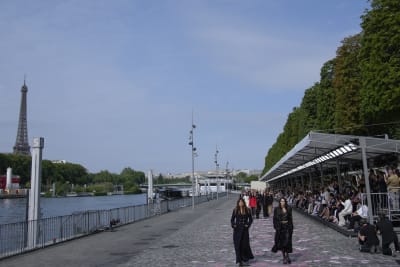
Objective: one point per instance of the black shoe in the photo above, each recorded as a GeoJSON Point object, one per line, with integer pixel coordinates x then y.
{"type": "Point", "coordinates": [289, 260]}
{"type": "Point", "coordinates": [285, 261]}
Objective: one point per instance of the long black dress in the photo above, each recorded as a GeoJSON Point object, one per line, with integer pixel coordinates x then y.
{"type": "Point", "coordinates": [241, 224]}
{"type": "Point", "coordinates": [283, 224]}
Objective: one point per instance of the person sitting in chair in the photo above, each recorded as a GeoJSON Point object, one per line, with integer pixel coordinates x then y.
{"type": "Point", "coordinates": [361, 213]}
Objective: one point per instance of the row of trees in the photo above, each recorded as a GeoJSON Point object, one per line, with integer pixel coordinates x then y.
{"type": "Point", "coordinates": [64, 175]}
{"type": "Point", "coordinates": [359, 90]}
{"type": "Point", "coordinates": [74, 177]}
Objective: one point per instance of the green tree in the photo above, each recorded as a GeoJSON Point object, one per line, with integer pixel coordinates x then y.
{"type": "Point", "coordinates": [160, 179]}
{"type": "Point", "coordinates": [131, 177]}
{"type": "Point", "coordinates": [347, 85]}
{"type": "Point", "coordinates": [380, 66]}
{"type": "Point", "coordinates": [325, 98]}
{"type": "Point", "coordinates": [309, 109]}
{"type": "Point", "coordinates": [241, 177]}
{"type": "Point", "coordinates": [250, 178]}
{"type": "Point", "coordinates": [103, 177]}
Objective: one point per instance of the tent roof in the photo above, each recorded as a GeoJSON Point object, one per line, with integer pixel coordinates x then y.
{"type": "Point", "coordinates": [315, 146]}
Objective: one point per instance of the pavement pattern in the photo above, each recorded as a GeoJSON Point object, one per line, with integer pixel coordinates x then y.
{"type": "Point", "coordinates": [202, 237]}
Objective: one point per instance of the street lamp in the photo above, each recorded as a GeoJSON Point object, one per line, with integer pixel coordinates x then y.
{"type": "Point", "coordinates": [191, 143]}
{"type": "Point", "coordinates": [226, 178]}
{"type": "Point", "coordinates": [216, 168]}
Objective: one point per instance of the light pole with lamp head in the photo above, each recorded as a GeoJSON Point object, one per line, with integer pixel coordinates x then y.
{"type": "Point", "coordinates": [226, 178]}
{"type": "Point", "coordinates": [191, 143]}
{"type": "Point", "coordinates": [216, 168]}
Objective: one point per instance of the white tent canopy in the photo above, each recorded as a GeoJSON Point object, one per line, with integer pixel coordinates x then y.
{"type": "Point", "coordinates": [324, 148]}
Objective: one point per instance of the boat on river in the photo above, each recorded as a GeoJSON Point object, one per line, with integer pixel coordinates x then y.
{"type": "Point", "coordinates": [13, 193]}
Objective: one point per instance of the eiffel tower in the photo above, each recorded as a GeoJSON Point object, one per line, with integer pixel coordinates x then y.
{"type": "Point", "coordinates": [21, 144]}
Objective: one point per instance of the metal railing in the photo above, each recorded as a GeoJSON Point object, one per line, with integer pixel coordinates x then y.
{"type": "Point", "coordinates": [387, 203]}
{"type": "Point", "coordinates": [14, 236]}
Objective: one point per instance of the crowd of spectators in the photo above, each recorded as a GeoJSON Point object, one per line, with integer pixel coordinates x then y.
{"type": "Point", "coordinates": [347, 207]}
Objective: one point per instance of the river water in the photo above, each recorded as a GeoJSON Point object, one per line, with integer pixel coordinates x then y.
{"type": "Point", "coordinates": [14, 210]}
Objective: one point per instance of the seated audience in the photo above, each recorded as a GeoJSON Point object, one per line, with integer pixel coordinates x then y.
{"type": "Point", "coordinates": [361, 213]}
{"type": "Point", "coordinates": [347, 210]}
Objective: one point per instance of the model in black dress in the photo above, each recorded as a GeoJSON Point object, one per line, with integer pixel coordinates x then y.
{"type": "Point", "coordinates": [241, 221]}
{"type": "Point", "coordinates": [283, 224]}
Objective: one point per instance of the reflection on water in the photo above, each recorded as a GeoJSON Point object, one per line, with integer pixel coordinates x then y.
{"type": "Point", "coordinates": [14, 210]}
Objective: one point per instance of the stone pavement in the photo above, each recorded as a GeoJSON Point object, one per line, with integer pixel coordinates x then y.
{"type": "Point", "coordinates": [202, 237]}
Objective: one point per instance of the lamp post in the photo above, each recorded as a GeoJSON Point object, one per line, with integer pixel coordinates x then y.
{"type": "Point", "coordinates": [191, 143]}
{"type": "Point", "coordinates": [216, 168]}
{"type": "Point", "coordinates": [226, 178]}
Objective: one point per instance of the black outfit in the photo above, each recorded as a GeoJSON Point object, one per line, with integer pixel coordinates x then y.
{"type": "Point", "coordinates": [371, 240]}
{"type": "Point", "coordinates": [383, 189]}
{"type": "Point", "coordinates": [259, 204]}
{"type": "Point", "coordinates": [385, 227]}
{"type": "Point", "coordinates": [283, 224]}
{"type": "Point", "coordinates": [265, 205]}
{"type": "Point", "coordinates": [241, 224]}
{"type": "Point", "coordinates": [353, 219]}
{"type": "Point", "coordinates": [269, 201]}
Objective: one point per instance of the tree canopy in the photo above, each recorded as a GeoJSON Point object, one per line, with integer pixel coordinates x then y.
{"type": "Point", "coordinates": [66, 175]}
{"type": "Point", "coordinates": [359, 89]}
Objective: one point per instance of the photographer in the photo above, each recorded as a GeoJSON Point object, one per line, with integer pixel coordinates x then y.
{"type": "Point", "coordinates": [389, 236]}
{"type": "Point", "coordinates": [367, 237]}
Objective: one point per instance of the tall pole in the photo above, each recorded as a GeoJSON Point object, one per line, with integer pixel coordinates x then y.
{"type": "Point", "coordinates": [363, 146]}
{"type": "Point", "coordinates": [226, 178]}
{"type": "Point", "coordinates": [191, 143]}
{"type": "Point", "coordinates": [216, 168]}
{"type": "Point", "coordinates": [150, 187]}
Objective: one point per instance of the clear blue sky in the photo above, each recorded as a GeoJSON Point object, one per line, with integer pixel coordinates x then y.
{"type": "Point", "coordinates": [112, 84]}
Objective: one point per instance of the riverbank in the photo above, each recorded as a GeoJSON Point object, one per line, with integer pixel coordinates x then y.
{"type": "Point", "coordinates": [8, 196]}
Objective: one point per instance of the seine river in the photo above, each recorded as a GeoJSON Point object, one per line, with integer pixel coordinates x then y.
{"type": "Point", "coordinates": [14, 210]}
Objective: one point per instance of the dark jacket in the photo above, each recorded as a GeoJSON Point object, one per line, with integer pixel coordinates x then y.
{"type": "Point", "coordinates": [278, 217]}
{"type": "Point", "coordinates": [269, 199]}
{"type": "Point", "coordinates": [369, 231]}
{"type": "Point", "coordinates": [240, 224]}
{"type": "Point", "coordinates": [385, 227]}
{"type": "Point", "coordinates": [238, 220]}
{"type": "Point", "coordinates": [283, 224]}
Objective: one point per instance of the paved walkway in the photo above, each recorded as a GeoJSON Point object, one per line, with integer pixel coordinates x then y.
{"type": "Point", "coordinates": [201, 237]}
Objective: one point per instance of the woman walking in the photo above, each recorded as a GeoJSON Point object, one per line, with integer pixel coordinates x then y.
{"type": "Point", "coordinates": [253, 203]}
{"type": "Point", "coordinates": [241, 221]}
{"type": "Point", "coordinates": [283, 224]}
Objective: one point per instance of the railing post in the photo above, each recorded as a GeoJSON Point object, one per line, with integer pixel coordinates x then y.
{"type": "Point", "coordinates": [87, 222]}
